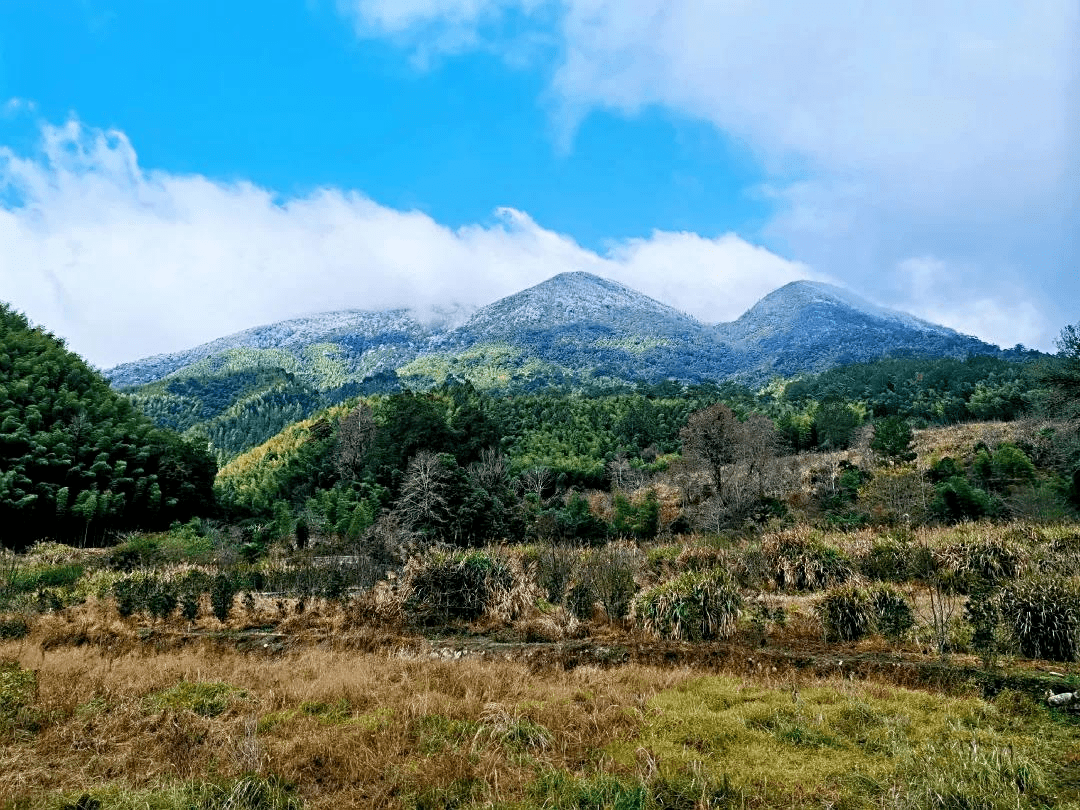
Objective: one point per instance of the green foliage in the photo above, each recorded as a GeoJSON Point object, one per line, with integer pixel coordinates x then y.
{"type": "Point", "coordinates": [851, 611]}
{"type": "Point", "coordinates": [956, 499]}
{"type": "Point", "coordinates": [693, 606]}
{"type": "Point", "coordinates": [204, 698]}
{"type": "Point", "coordinates": [231, 411]}
{"type": "Point", "coordinates": [893, 440]}
{"type": "Point", "coordinates": [1044, 615]}
{"type": "Point", "coordinates": [926, 391]}
{"type": "Point", "coordinates": [575, 522]}
{"type": "Point", "coordinates": [982, 610]}
{"type": "Point", "coordinates": [893, 614]}
{"type": "Point", "coordinates": [76, 460]}
{"type": "Point", "coordinates": [803, 562]}
{"type": "Point", "coordinates": [441, 588]}
{"type": "Point", "coordinates": [223, 590]}
{"type": "Point", "coordinates": [1062, 375]}
{"type": "Point", "coordinates": [641, 521]}
{"type": "Point", "coordinates": [835, 424]}
{"type": "Point", "coordinates": [12, 627]}
{"type": "Point", "coordinates": [889, 559]}
{"type": "Point", "coordinates": [157, 595]}
{"type": "Point", "coordinates": [846, 613]}
{"type": "Point", "coordinates": [33, 578]}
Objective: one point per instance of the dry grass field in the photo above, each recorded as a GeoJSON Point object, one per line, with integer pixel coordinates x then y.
{"type": "Point", "coordinates": [96, 709]}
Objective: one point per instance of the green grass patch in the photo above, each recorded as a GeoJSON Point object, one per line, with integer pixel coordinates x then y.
{"type": "Point", "coordinates": [856, 746]}
{"type": "Point", "coordinates": [18, 695]}
{"type": "Point", "coordinates": [206, 698]}
{"type": "Point", "coordinates": [330, 713]}
{"type": "Point", "coordinates": [250, 792]}
{"type": "Point", "coordinates": [437, 733]}
{"type": "Point", "coordinates": [38, 577]}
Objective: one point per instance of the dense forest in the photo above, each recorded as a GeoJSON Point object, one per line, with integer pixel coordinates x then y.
{"type": "Point", "coordinates": [461, 466]}
{"type": "Point", "coordinates": [77, 460]}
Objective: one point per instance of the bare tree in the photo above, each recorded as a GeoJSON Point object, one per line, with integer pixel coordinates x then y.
{"type": "Point", "coordinates": [736, 454]}
{"type": "Point", "coordinates": [759, 448]}
{"type": "Point", "coordinates": [490, 471]}
{"type": "Point", "coordinates": [623, 476]}
{"type": "Point", "coordinates": [423, 500]}
{"type": "Point", "coordinates": [535, 481]}
{"type": "Point", "coordinates": [356, 431]}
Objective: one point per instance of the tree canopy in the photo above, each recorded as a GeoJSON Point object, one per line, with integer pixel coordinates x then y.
{"type": "Point", "coordinates": [76, 459]}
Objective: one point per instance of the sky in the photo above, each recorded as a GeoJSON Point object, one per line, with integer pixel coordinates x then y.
{"type": "Point", "coordinates": [171, 173]}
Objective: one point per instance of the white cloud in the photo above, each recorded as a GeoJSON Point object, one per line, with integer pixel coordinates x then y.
{"type": "Point", "coordinates": [125, 262]}
{"type": "Point", "coordinates": [932, 294]}
{"type": "Point", "coordinates": [885, 130]}
{"type": "Point", "coordinates": [15, 105]}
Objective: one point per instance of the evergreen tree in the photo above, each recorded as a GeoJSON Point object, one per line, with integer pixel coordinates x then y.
{"type": "Point", "coordinates": [893, 440]}
{"type": "Point", "coordinates": [76, 460]}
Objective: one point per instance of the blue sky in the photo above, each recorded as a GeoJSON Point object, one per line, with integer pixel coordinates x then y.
{"type": "Point", "coordinates": [310, 154]}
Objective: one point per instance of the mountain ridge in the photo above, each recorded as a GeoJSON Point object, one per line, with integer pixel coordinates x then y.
{"type": "Point", "coordinates": [571, 328]}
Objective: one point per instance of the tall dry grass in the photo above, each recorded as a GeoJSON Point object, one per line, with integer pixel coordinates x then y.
{"type": "Point", "coordinates": [348, 729]}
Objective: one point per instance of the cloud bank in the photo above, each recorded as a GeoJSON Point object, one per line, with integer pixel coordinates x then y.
{"type": "Point", "coordinates": [123, 262]}
{"type": "Point", "coordinates": [932, 132]}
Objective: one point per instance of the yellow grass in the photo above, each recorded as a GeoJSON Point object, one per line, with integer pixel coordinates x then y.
{"type": "Point", "coordinates": [394, 729]}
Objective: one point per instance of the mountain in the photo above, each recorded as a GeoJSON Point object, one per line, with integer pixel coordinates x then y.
{"type": "Point", "coordinates": [809, 326]}
{"type": "Point", "coordinates": [574, 330]}
{"type": "Point", "coordinates": [325, 350]}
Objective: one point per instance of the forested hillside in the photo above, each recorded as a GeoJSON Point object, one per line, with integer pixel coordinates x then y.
{"type": "Point", "coordinates": [485, 467]}
{"type": "Point", "coordinates": [77, 461]}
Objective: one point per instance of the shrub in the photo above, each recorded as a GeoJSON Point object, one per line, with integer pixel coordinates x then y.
{"type": "Point", "coordinates": [893, 440]}
{"type": "Point", "coordinates": [805, 563]}
{"type": "Point", "coordinates": [552, 567]}
{"type": "Point", "coordinates": [693, 606]}
{"type": "Point", "coordinates": [887, 560]}
{"type": "Point", "coordinates": [1044, 615]}
{"type": "Point", "coordinates": [611, 572]}
{"type": "Point", "coordinates": [983, 612]}
{"type": "Point", "coordinates": [35, 578]}
{"type": "Point", "coordinates": [957, 499]}
{"type": "Point", "coordinates": [983, 561]}
{"type": "Point", "coordinates": [444, 587]}
{"type": "Point", "coordinates": [223, 590]}
{"type": "Point", "coordinates": [13, 627]}
{"type": "Point", "coordinates": [846, 613]}
{"type": "Point", "coordinates": [137, 551]}
{"type": "Point", "coordinates": [893, 615]}
{"type": "Point", "coordinates": [162, 598]}
{"type": "Point", "coordinates": [850, 612]}
{"type": "Point", "coordinates": [581, 598]}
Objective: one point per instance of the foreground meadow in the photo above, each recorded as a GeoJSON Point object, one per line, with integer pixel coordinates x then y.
{"type": "Point", "coordinates": [205, 726]}
{"type": "Point", "coordinates": [785, 668]}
